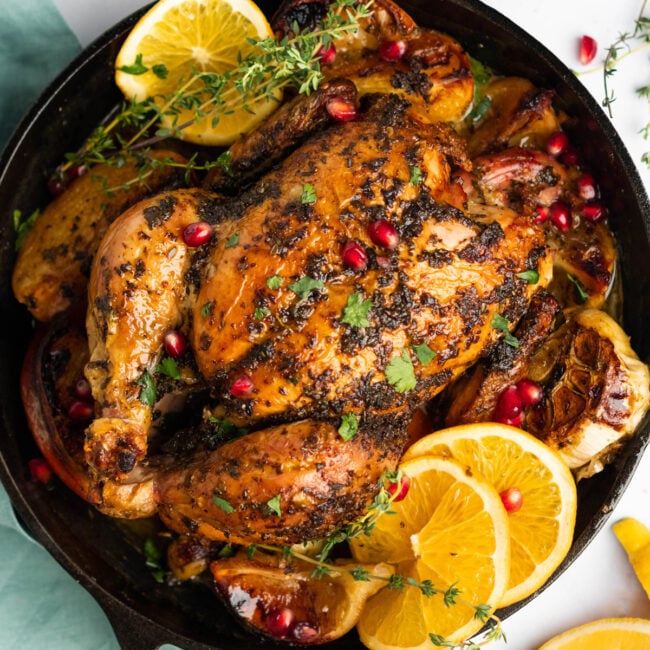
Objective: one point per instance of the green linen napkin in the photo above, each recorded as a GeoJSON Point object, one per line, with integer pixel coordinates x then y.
{"type": "Point", "coordinates": [41, 606]}
{"type": "Point", "coordinates": [35, 45]}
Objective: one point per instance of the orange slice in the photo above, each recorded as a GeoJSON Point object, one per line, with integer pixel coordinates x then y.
{"type": "Point", "coordinates": [604, 634]}
{"type": "Point", "coordinates": [450, 529]}
{"type": "Point", "coordinates": [541, 531]}
{"type": "Point", "coordinates": [176, 37]}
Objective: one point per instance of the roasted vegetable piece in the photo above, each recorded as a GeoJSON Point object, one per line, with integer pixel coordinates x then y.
{"type": "Point", "coordinates": [594, 389]}
{"type": "Point", "coordinates": [52, 269]}
{"type": "Point", "coordinates": [283, 600]}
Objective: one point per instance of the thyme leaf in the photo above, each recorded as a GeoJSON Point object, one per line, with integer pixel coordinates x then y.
{"type": "Point", "coordinates": [223, 504]}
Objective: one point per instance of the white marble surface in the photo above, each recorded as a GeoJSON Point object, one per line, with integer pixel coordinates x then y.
{"type": "Point", "coordinates": [600, 583]}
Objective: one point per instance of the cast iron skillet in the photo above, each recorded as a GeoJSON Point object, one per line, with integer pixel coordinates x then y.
{"type": "Point", "coordinates": [99, 552]}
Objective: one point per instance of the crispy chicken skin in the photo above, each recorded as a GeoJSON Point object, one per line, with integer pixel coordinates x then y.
{"type": "Point", "coordinates": [136, 292]}
{"type": "Point", "coordinates": [434, 74]}
{"type": "Point", "coordinates": [473, 398]}
{"type": "Point", "coordinates": [52, 269]}
{"type": "Point", "coordinates": [440, 286]}
{"type": "Point", "coordinates": [315, 360]}
{"type": "Point", "coordinates": [257, 151]}
{"type": "Point", "coordinates": [595, 389]}
{"type": "Point", "coordinates": [321, 481]}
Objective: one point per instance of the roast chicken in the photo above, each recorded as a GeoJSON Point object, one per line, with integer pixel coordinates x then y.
{"type": "Point", "coordinates": [354, 270]}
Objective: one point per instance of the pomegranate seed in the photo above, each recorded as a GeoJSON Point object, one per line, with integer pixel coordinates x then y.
{"type": "Point", "coordinates": [341, 109]}
{"type": "Point", "coordinates": [197, 234]}
{"type": "Point", "coordinates": [305, 632]}
{"type": "Point", "coordinates": [81, 410]}
{"type": "Point", "coordinates": [587, 50]}
{"type": "Point", "coordinates": [512, 499]}
{"type": "Point", "coordinates": [280, 622]}
{"type": "Point", "coordinates": [82, 389]}
{"type": "Point", "coordinates": [587, 187]}
{"type": "Point", "coordinates": [60, 180]}
{"type": "Point", "coordinates": [56, 185]}
{"type": "Point", "coordinates": [326, 55]}
{"type": "Point", "coordinates": [509, 405]}
{"type": "Point", "coordinates": [383, 262]}
{"type": "Point", "coordinates": [392, 50]}
{"type": "Point", "coordinates": [557, 143]}
{"type": "Point", "coordinates": [175, 343]}
{"type": "Point", "coordinates": [513, 422]}
{"type": "Point", "coordinates": [40, 470]}
{"type": "Point", "coordinates": [530, 392]}
{"type": "Point", "coordinates": [593, 211]}
{"type": "Point", "coordinates": [353, 255]}
{"type": "Point", "coordinates": [541, 214]}
{"type": "Point", "coordinates": [242, 386]}
{"type": "Point", "coordinates": [570, 156]}
{"type": "Point", "coordinates": [401, 489]}
{"type": "Point", "coordinates": [383, 233]}
{"type": "Point", "coordinates": [560, 214]}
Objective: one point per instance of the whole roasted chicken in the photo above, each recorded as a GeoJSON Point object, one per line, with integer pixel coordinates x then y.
{"type": "Point", "coordinates": [347, 274]}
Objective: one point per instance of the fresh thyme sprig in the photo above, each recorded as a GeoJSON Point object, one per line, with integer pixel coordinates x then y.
{"type": "Point", "coordinates": [627, 44]}
{"type": "Point", "coordinates": [274, 66]}
{"type": "Point", "coordinates": [380, 506]}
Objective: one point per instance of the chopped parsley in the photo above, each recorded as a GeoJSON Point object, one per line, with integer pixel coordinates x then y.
{"type": "Point", "coordinates": [303, 287]}
{"type": "Point", "coordinates": [349, 426]}
{"type": "Point", "coordinates": [223, 504]}
{"type": "Point", "coordinates": [136, 68]}
{"type": "Point", "coordinates": [206, 309]}
{"type": "Point", "coordinates": [481, 103]}
{"type": "Point", "coordinates": [502, 324]}
{"type": "Point", "coordinates": [400, 373]}
{"type": "Point", "coordinates": [233, 240]}
{"type": "Point", "coordinates": [224, 428]}
{"type": "Point", "coordinates": [531, 276]}
{"type": "Point", "coordinates": [168, 367]}
{"type": "Point", "coordinates": [308, 196]}
{"type": "Point", "coordinates": [160, 70]}
{"type": "Point", "coordinates": [416, 175]}
{"type": "Point", "coordinates": [262, 312]}
{"type": "Point", "coordinates": [23, 226]}
{"type": "Point", "coordinates": [274, 282]}
{"type": "Point", "coordinates": [581, 293]}
{"type": "Point", "coordinates": [148, 389]}
{"type": "Point", "coordinates": [424, 353]}
{"type": "Point", "coordinates": [356, 310]}
{"type": "Point", "coordinates": [274, 504]}
{"type": "Point", "coordinates": [153, 560]}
